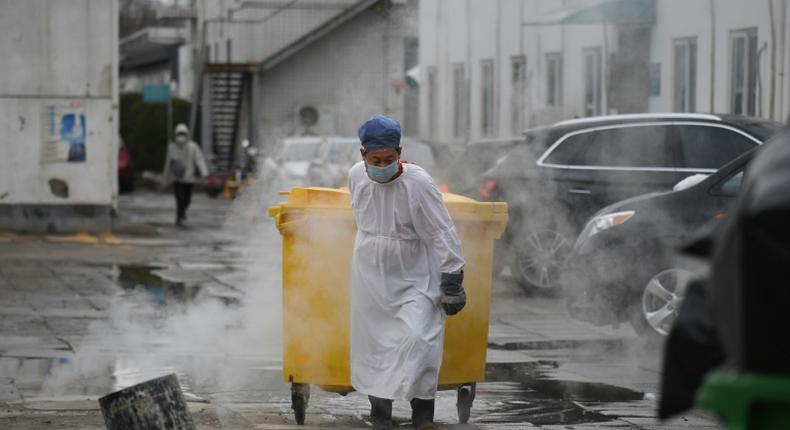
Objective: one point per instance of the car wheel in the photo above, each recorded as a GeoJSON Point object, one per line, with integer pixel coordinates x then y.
{"type": "Point", "coordinates": [539, 258]}
{"type": "Point", "coordinates": [660, 302]}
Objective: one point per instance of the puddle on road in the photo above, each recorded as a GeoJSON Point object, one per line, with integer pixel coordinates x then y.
{"type": "Point", "coordinates": [529, 397]}
{"type": "Point", "coordinates": [513, 402]}
{"type": "Point", "coordinates": [531, 374]}
{"type": "Point", "coordinates": [152, 290]}
{"type": "Point", "coordinates": [162, 288]}
{"type": "Point", "coordinates": [156, 289]}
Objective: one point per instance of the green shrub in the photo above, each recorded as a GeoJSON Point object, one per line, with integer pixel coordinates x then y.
{"type": "Point", "coordinates": [144, 129]}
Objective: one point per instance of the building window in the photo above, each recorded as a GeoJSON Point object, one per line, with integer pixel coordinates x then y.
{"type": "Point", "coordinates": [554, 79]}
{"type": "Point", "coordinates": [487, 126]}
{"type": "Point", "coordinates": [743, 74]}
{"type": "Point", "coordinates": [685, 75]}
{"type": "Point", "coordinates": [460, 101]}
{"type": "Point", "coordinates": [592, 81]}
{"type": "Point", "coordinates": [518, 100]}
{"type": "Point", "coordinates": [432, 102]}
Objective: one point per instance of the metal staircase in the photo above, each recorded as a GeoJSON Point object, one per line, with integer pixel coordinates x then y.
{"type": "Point", "coordinates": [222, 90]}
{"type": "Point", "coordinates": [226, 92]}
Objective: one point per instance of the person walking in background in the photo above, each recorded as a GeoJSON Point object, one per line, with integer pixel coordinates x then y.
{"type": "Point", "coordinates": [406, 276]}
{"type": "Point", "coordinates": [184, 165]}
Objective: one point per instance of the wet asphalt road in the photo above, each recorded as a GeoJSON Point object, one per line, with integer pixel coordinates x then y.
{"type": "Point", "coordinates": [82, 316]}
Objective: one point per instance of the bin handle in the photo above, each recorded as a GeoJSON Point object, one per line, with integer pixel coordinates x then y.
{"type": "Point", "coordinates": [281, 226]}
{"type": "Point", "coordinates": [289, 225]}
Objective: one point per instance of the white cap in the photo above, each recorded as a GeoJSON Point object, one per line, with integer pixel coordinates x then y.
{"type": "Point", "coordinates": [182, 129]}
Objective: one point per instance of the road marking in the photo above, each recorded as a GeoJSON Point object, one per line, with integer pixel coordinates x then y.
{"type": "Point", "coordinates": [109, 238]}
{"type": "Point", "coordinates": [82, 237]}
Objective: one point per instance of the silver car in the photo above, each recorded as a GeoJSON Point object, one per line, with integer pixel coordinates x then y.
{"type": "Point", "coordinates": [329, 166]}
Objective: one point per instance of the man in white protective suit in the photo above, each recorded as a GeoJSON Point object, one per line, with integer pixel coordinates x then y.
{"type": "Point", "coordinates": [406, 275]}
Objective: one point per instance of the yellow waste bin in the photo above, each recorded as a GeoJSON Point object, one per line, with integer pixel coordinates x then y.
{"type": "Point", "coordinates": [318, 230]}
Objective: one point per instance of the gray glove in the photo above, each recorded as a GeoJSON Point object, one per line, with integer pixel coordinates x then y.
{"type": "Point", "coordinates": [453, 294]}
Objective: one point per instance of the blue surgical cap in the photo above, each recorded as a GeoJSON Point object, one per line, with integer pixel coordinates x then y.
{"type": "Point", "coordinates": [379, 132]}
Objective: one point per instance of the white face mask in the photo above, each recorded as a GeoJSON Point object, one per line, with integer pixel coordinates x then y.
{"type": "Point", "coordinates": [383, 174]}
{"type": "Point", "coordinates": [181, 139]}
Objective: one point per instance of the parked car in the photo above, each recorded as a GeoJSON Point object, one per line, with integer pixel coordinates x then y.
{"type": "Point", "coordinates": [623, 266]}
{"type": "Point", "coordinates": [465, 174]}
{"type": "Point", "coordinates": [565, 173]}
{"type": "Point", "coordinates": [420, 154]}
{"type": "Point", "coordinates": [294, 158]}
{"type": "Point", "coordinates": [329, 168]}
{"type": "Point", "coordinates": [125, 173]}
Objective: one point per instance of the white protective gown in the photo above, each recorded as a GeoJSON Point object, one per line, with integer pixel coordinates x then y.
{"type": "Point", "coordinates": [405, 240]}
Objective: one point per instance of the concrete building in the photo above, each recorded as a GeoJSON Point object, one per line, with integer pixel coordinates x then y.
{"type": "Point", "coordinates": [59, 110]}
{"type": "Point", "coordinates": [157, 55]}
{"type": "Point", "coordinates": [280, 68]}
{"type": "Point", "coordinates": [165, 53]}
{"type": "Point", "coordinates": [738, 51]}
{"type": "Point", "coordinates": [492, 68]}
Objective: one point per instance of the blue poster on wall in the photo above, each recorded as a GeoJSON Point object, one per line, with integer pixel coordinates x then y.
{"type": "Point", "coordinates": [64, 133]}
{"type": "Point", "coordinates": [72, 131]}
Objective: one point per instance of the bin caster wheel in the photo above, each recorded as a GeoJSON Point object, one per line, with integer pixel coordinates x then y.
{"type": "Point", "coordinates": [466, 396]}
{"type": "Point", "coordinates": [300, 396]}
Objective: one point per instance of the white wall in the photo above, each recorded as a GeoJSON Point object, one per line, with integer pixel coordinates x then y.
{"type": "Point", "coordinates": [467, 31]}
{"type": "Point", "coordinates": [56, 52]}
{"type": "Point", "coordinates": [571, 41]}
{"type": "Point", "coordinates": [257, 33]}
{"type": "Point", "coordinates": [694, 19]}
{"type": "Point", "coordinates": [348, 73]}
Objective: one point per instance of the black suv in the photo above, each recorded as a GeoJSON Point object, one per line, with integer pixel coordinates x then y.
{"type": "Point", "coordinates": [565, 173]}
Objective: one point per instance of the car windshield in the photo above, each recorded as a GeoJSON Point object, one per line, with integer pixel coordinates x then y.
{"type": "Point", "coordinates": [481, 156]}
{"type": "Point", "coordinates": [339, 150]}
{"type": "Point", "coordinates": [476, 159]}
{"type": "Point", "coordinates": [419, 154]}
{"type": "Point", "coordinates": [300, 151]}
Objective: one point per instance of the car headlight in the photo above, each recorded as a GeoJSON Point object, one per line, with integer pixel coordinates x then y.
{"type": "Point", "coordinates": [607, 221]}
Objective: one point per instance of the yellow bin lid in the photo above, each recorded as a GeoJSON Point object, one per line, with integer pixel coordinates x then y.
{"type": "Point", "coordinates": [316, 197]}
{"type": "Point", "coordinates": [460, 207]}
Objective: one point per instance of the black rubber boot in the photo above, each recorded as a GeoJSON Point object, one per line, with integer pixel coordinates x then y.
{"type": "Point", "coordinates": [380, 413]}
{"type": "Point", "coordinates": [422, 414]}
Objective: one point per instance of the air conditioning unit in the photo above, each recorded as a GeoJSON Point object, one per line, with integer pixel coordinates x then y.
{"type": "Point", "coordinates": [314, 120]}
